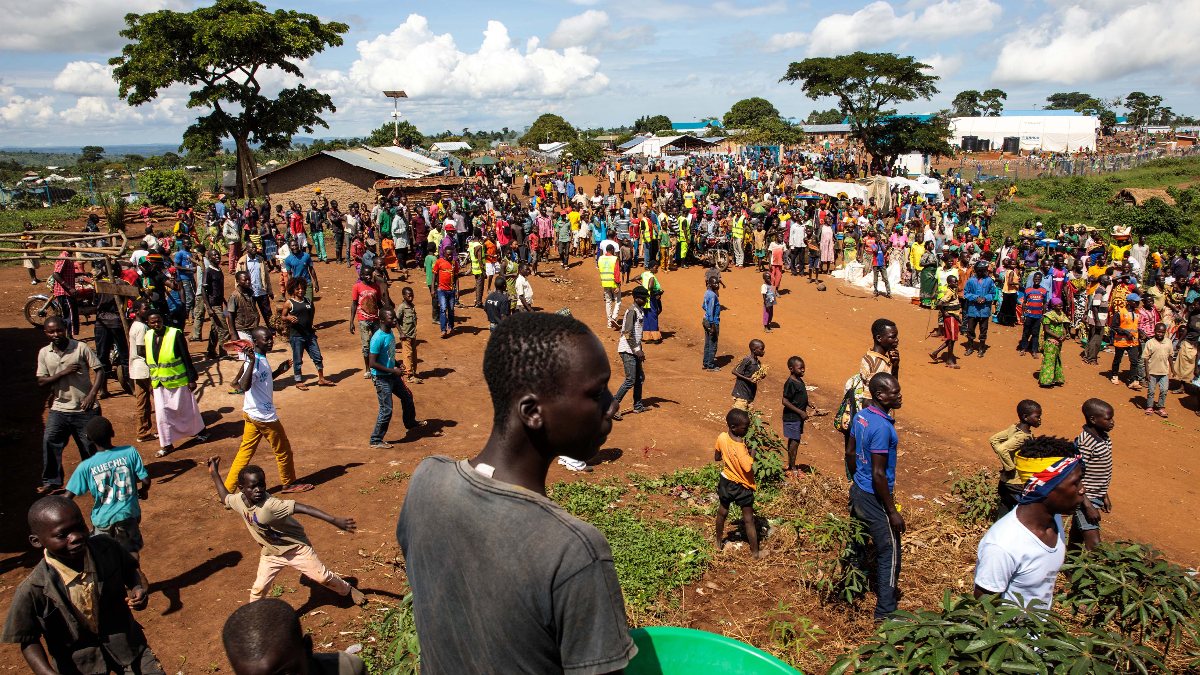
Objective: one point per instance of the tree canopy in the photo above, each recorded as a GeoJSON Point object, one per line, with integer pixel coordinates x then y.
{"type": "Point", "coordinates": [749, 113]}
{"type": "Point", "coordinates": [647, 123]}
{"type": "Point", "coordinates": [585, 150]}
{"type": "Point", "coordinates": [549, 128]}
{"type": "Point", "coordinates": [1067, 100]}
{"type": "Point", "coordinates": [773, 131]}
{"type": "Point", "coordinates": [1143, 108]}
{"type": "Point", "coordinates": [865, 85]}
{"type": "Point", "coordinates": [386, 133]}
{"type": "Point", "coordinates": [972, 103]}
{"type": "Point", "coordinates": [902, 135]}
{"type": "Point", "coordinates": [223, 52]}
{"type": "Point", "coordinates": [831, 116]}
{"type": "Point", "coordinates": [90, 153]}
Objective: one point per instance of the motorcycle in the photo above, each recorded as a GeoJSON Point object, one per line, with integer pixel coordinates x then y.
{"type": "Point", "coordinates": [42, 305]}
{"type": "Point", "coordinates": [716, 252]}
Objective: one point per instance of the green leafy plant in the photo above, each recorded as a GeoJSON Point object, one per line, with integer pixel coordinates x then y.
{"type": "Point", "coordinates": [793, 635]}
{"type": "Point", "coordinates": [991, 635]}
{"type": "Point", "coordinates": [652, 557]}
{"type": "Point", "coordinates": [168, 187]}
{"type": "Point", "coordinates": [767, 448]}
{"type": "Point", "coordinates": [114, 206]}
{"type": "Point", "coordinates": [395, 649]}
{"type": "Point", "coordinates": [837, 576]}
{"type": "Point", "coordinates": [1134, 589]}
{"type": "Point", "coordinates": [978, 495]}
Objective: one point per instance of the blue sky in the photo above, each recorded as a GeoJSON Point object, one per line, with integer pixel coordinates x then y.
{"type": "Point", "coordinates": [487, 65]}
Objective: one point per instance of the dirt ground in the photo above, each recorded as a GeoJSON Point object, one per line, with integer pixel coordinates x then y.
{"type": "Point", "coordinates": [201, 560]}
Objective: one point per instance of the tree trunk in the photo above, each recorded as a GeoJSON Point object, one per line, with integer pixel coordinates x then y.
{"type": "Point", "coordinates": [246, 171]}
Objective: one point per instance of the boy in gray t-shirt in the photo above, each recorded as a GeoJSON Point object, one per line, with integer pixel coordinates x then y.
{"type": "Point", "coordinates": [503, 579]}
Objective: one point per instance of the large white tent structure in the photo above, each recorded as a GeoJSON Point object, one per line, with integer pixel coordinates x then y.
{"type": "Point", "coordinates": [1048, 133]}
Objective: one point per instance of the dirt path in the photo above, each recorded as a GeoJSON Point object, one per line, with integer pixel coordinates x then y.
{"type": "Point", "coordinates": [202, 561]}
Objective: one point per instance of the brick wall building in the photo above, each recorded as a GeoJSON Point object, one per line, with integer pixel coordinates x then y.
{"type": "Point", "coordinates": [335, 179]}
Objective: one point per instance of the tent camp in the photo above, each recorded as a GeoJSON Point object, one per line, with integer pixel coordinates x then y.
{"type": "Point", "coordinates": [1049, 133]}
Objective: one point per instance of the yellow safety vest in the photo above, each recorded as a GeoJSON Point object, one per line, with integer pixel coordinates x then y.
{"type": "Point", "coordinates": [648, 283]}
{"type": "Point", "coordinates": [645, 232]}
{"type": "Point", "coordinates": [737, 230]}
{"type": "Point", "coordinates": [476, 269]}
{"type": "Point", "coordinates": [608, 269]}
{"type": "Point", "coordinates": [166, 367]}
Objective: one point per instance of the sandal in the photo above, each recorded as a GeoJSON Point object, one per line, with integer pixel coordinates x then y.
{"type": "Point", "coordinates": [324, 383]}
{"type": "Point", "coordinates": [295, 487]}
{"type": "Point", "coordinates": [163, 452]}
{"type": "Point", "coordinates": [148, 437]}
{"type": "Point", "coordinates": [302, 386]}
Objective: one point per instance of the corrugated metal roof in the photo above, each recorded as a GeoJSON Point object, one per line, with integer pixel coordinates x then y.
{"type": "Point", "coordinates": [386, 161]}
{"type": "Point", "coordinates": [451, 146]}
{"type": "Point", "coordinates": [632, 143]}
{"type": "Point", "coordinates": [825, 128]}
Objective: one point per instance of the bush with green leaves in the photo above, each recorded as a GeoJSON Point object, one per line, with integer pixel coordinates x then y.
{"type": "Point", "coordinates": [977, 493]}
{"type": "Point", "coordinates": [992, 635]}
{"type": "Point", "coordinates": [167, 187]}
{"type": "Point", "coordinates": [767, 448]}
{"type": "Point", "coordinates": [395, 649]}
{"type": "Point", "coordinates": [833, 571]}
{"type": "Point", "coordinates": [1133, 589]}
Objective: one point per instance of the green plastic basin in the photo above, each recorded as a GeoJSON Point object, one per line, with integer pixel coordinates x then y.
{"type": "Point", "coordinates": [668, 650]}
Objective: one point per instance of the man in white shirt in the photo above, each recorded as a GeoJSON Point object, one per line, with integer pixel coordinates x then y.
{"type": "Point", "coordinates": [1020, 555]}
{"type": "Point", "coordinates": [524, 297]}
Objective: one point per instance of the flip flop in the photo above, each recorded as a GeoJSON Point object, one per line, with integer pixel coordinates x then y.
{"type": "Point", "coordinates": [296, 487]}
{"type": "Point", "coordinates": [302, 387]}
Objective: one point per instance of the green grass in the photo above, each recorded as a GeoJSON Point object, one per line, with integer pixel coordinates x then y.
{"type": "Point", "coordinates": [652, 557]}
{"type": "Point", "coordinates": [1085, 199]}
{"type": "Point", "coordinates": [42, 219]}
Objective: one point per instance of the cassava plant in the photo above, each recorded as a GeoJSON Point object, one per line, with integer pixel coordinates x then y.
{"type": "Point", "coordinates": [767, 448]}
{"type": "Point", "coordinates": [834, 571]}
{"type": "Point", "coordinates": [977, 493]}
{"type": "Point", "coordinates": [991, 635]}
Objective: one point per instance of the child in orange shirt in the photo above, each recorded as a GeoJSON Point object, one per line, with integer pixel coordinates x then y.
{"type": "Point", "coordinates": [736, 485]}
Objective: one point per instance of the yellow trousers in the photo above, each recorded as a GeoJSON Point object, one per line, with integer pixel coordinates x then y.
{"type": "Point", "coordinates": [254, 432]}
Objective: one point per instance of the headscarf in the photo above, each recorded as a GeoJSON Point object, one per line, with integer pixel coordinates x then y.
{"type": "Point", "coordinates": [1045, 474]}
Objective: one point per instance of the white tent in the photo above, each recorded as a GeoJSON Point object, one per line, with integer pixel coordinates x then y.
{"type": "Point", "coordinates": [833, 189]}
{"type": "Point", "coordinates": [1053, 133]}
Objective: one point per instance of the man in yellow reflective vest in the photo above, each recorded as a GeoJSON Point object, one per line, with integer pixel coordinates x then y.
{"type": "Point", "coordinates": [475, 255]}
{"type": "Point", "coordinates": [737, 236]}
{"type": "Point", "coordinates": [610, 279]}
{"type": "Point", "coordinates": [172, 382]}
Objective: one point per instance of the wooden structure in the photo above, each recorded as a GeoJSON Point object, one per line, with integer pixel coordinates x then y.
{"type": "Point", "coordinates": [418, 189]}
{"type": "Point", "coordinates": [1139, 196]}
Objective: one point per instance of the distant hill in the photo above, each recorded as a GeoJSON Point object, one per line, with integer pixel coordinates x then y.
{"type": "Point", "coordinates": [64, 155]}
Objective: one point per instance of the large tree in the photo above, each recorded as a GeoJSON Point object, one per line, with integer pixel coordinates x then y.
{"type": "Point", "coordinates": [749, 113]}
{"type": "Point", "coordinates": [386, 133]}
{"type": "Point", "coordinates": [992, 102]}
{"type": "Point", "coordinates": [1143, 108]}
{"type": "Point", "coordinates": [549, 128]}
{"type": "Point", "coordinates": [902, 135]}
{"type": "Point", "coordinates": [831, 116]}
{"type": "Point", "coordinates": [651, 123]}
{"type": "Point", "coordinates": [966, 103]}
{"type": "Point", "coordinates": [223, 53]}
{"type": "Point", "coordinates": [773, 131]}
{"type": "Point", "coordinates": [1066, 100]}
{"type": "Point", "coordinates": [90, 154]}
{"type": "Point", "coordinates": [865, 86]}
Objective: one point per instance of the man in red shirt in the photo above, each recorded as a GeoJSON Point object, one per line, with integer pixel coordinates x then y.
{"type": "Point", "coordinates": [443, 274]}
{"type": "Point", "coordinates": [365, 302]}
{"type": "Point", "coordinates": [63, 278]}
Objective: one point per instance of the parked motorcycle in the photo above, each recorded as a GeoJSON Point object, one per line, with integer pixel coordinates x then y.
{"type": "Point", "coordinates": [42, 305]}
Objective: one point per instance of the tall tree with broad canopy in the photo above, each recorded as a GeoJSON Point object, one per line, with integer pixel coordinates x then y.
{"type": "Point", "coordinates": [384, 135]}
{"type": "Point", "coordinates": [749, 113]}
{"type": "Point", "coordinates": [223, 53]}
{"type": "Point", "coordinates": [549, 128]}
{"type": "Point", "coordinates": [651, 123]}
{"type": "Point", "coordinates": [865, 86]}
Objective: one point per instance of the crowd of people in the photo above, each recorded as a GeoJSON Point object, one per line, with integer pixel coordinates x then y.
{"type": "Point", "coordinates": [547, 375]}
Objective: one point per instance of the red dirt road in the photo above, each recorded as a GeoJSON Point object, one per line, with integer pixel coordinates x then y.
{"type": "Point", "coordinates": [201, 560]}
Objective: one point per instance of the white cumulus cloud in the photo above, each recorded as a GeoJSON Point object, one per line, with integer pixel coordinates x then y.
{"type": "Point", "coordinates": [943, 66]}
{"type": "Point", "coordinates": [579, 31]}
{"type": "Point", "coordinates": [878, 23]}
{"type": "Point", "coordinates": [86, 78]}
{"type": "Point", "coordinates": [424, 64]}
{"type": "Point", "coordinates": [1090, 42]}
{"type": "Point", "coordinates": [72, 25]}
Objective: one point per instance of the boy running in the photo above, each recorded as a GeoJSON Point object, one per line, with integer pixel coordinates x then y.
{"type": "Point", "coordinates": [283, 540]}
{"type": "Point", "coordinates": [116, 479]}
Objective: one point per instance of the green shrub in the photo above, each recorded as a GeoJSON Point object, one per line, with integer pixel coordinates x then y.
{"type": "Point", "coordinates": [395, 649]}
{"type": "Point", "coordinates": [1133, 589]}
{"type": "Point", "coordinates": [168, 187]}
{"type": "Point", "coordinates": [767, 448]}
{"type": "Point", "coordinates": [978, 495]}
{"type": "Point", "coordinates": [835, 577]}
{"type": "Point", "coordinates": [992, 635]}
